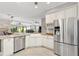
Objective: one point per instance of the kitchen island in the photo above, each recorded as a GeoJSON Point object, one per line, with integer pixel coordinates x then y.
{"type": "Point", "coordinates": [7, 43]}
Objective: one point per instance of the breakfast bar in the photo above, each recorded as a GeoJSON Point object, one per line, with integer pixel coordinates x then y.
{"type": "Point", "coordinates": [7, 43]}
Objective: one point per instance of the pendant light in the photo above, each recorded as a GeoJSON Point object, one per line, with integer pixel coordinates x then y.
{"type": "Point", "coordinates": [36, 3]}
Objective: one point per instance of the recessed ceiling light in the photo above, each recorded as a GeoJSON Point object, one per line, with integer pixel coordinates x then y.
{"type": "Point", "coordinates": [36, 6]}
{"type": "Point", "coordinates": [48, 2]}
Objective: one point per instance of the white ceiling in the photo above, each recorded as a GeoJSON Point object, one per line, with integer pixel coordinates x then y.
{"type": "Point", "coordinates": [26, 9]}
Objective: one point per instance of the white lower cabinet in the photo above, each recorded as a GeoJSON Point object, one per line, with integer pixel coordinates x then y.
{"type": "Point", "coordinates": [48, 42]}
{"type": "Point", "coordinates": [33, 41]}
{"type": "Point", "coordinates": [27, 42]}
{"type": "Point", "coordinates": [45, 43]}
{"type": "Point", "coordinates": [39, 41]}
{"type": "Point", "coordinates": [8, 47]}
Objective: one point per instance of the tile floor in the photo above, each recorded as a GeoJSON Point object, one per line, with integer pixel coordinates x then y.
{"type": "Point", "coordinates": [37, 51]}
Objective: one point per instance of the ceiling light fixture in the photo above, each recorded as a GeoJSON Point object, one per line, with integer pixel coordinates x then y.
{"type": "Point", "coordinates": [36, 3]}
{"type": "Point", "coordinates": [48, 2]}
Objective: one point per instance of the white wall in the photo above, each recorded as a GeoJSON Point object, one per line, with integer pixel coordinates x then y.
{"type": "Point", "coordinates": [4, 18]}
{"type": "Point", "coordinates": [4, 22]}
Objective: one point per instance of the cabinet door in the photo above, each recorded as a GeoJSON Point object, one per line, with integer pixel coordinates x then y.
{"type": "Point", "coordinates": [71, 11]}
{"type": "Point", "coordinates": [50, 43]}
{"type": "Point", "coordinates": [8, 47]}
{"type": "Point", "coordinates": [27, 41]}
{"type": "Point", "coordinates": [22, 45]}
{"type": "Point", "coordinates": [46, 43]}
{"type": "Point", "coordinates": [39, 41]}
{"type": "Point", "coordinates": [43, 41]}
{"type": "Point", "coordinates": [50, 18]}
{"type": "Point", "coordinates": [32, 42]}
{"type": "Point", "coordinates": [60, 14]}
{"type": "Point", "coordinates": [47, 19]}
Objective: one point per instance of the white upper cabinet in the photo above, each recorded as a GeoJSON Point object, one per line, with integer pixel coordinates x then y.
{"type": "Point", "coordinates": [71, 11]}
{"type": "Point", "coordinates": [60, 14]}
{"type": "Point", "coordinates": [50, 18]}
{"type": "Point", "coordinates": [66, 12]}
{"type": "Point", "coordinates": [55, 16]}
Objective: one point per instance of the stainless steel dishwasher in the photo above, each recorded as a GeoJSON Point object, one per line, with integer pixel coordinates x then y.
{"type": "Point", "coordinates": [19, 43]}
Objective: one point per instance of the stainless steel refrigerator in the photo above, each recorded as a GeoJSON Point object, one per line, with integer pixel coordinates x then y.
{"type": "Point", "coordinates": [66, 42]}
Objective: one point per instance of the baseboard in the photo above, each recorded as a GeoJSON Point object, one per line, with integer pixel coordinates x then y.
{"type": "Point", "coordinates": [48, 48]}
{"type": "Point", "coordinates": [57, 54]}
{"type": "Point", "coordinates": [41, 46]}
{"type": "Point", "coordinates": [33, 47]}
{"type": "Point", "coordinates": [19, 50]}
{"type": "Point", "coordinates": [0, 53]}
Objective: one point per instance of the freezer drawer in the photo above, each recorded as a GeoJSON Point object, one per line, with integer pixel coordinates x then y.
{"type": "Point", "coordinates": [57, 48]}
{"type": "Point", "coordinates": [65, 50]}
{"type": "Point", "coordinates": [72, 50]}
{"type": "Point", "coordinates": [61, 49]}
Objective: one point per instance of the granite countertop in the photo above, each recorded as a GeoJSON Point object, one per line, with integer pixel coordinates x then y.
{"type": "Point", "coordinates": [39, 35]}
{"type": "Point", "coordinates": [13, 35]}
